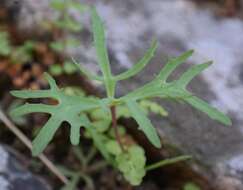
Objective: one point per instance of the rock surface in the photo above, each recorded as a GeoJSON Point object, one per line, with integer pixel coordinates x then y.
{"type": "Point", "coordinates": [13, 176]}
{"type": "Point", "coordinates": [179, 25]}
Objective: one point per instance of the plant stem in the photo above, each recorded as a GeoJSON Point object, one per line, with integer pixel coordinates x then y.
{"type": "Point", "coordinates": [114, 125]}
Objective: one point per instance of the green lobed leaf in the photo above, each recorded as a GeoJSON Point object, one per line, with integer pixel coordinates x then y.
{"type": "Point", "coordinates": [31, 108]}
{"type": "Point", "coordinates": [101, 51]}
{"type": "Point", "coordinates": [76, 121]}
{"type": "Point", "coordinates": [19, 120]}
{"type": "Point", "coordinates": [209, 110]}
{"type": "Point", "coordinates": [87, 73]}
{"type": "Point", "coordinates": [146, 91]}
{"type": "Point", "coordinates": [73, 105]}
{"type": "Point", "coordinates": [45, 135]}
{"type": "Point", "coordinates": [25, 94]}
{"type": "Point", "coordinates": [144, 123]}
{"type": "Point", "coordinates": [172, 65]}
{"type": "Point", "coordinates": [159, 87]}
{"type": "Point", "coordinates": [192, 72]}
{"type": "Point", "coordinates": [140, 65]}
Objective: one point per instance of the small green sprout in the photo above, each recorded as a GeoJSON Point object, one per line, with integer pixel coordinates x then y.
{"type": "Point", "coordinates": [66, 23]}
{"type": "Point", "coordinates": [17, 54]}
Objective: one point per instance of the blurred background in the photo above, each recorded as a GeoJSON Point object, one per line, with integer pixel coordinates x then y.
{"type": "Point", "coordinates": [42, 36]}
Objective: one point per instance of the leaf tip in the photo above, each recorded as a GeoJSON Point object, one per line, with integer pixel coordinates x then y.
{"type": "Point", "coordinates": [158, 145]}
{"type": "Point", "coordinates": [227, 121]}
{"type": "Point", "coordinates": [14, 93]}
{"type": "Point", "coordinates": [93, 11]}
{"type": "Point", "coordinates": [191, 51]}
{"type": "Point", "coordinates": [209, 63]}
{"type": "Point", "coordinates": [155, 42]}
{"type": "Point", "coordinates": [50, 80]}
{"type": "Point", "coordinates": [18, 93]}
{"type": "Point", "coordinates": [47, 75]}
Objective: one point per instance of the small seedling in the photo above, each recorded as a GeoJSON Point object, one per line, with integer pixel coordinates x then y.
{"type": "Point", "coordinates": [64, 23]}
{"type": "Point", "coordinates": [62, 26]}
{"type": "Point", "coordinates": [74, 109]}
{"type": "Point", "coordinates": [17, 54]}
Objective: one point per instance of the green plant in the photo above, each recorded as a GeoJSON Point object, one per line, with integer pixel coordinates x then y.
{"type": "Point", "coordinates": [130, 163]}
{"type": "Point", "coordinates": [64, 23]}
{"type": "Point", "coordinates": [17, 54]}
{"type": "Point", "coordinates": [23, 53]}
{"type": "Point", "coordinates": [87, 167]}
{"type": "Point", "coordinates": [67, 68]}
{"type": "Point", "coordinates": [65, 20]}
{"type": "Point", "coordinates": [75, 109]}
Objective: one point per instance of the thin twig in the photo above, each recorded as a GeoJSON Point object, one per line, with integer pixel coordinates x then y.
{"type": "Point", "coordinates": [167, 162]}
{"type": "Point", "coordinates": [28, 143]}
{"type": "Point", "coordinates": [114, 125]}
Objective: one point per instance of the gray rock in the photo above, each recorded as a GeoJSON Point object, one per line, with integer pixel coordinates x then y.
{"type": "Point", "coordinates": [13, 176]}
{"type": "Point", "coordinates": [179, 25]}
